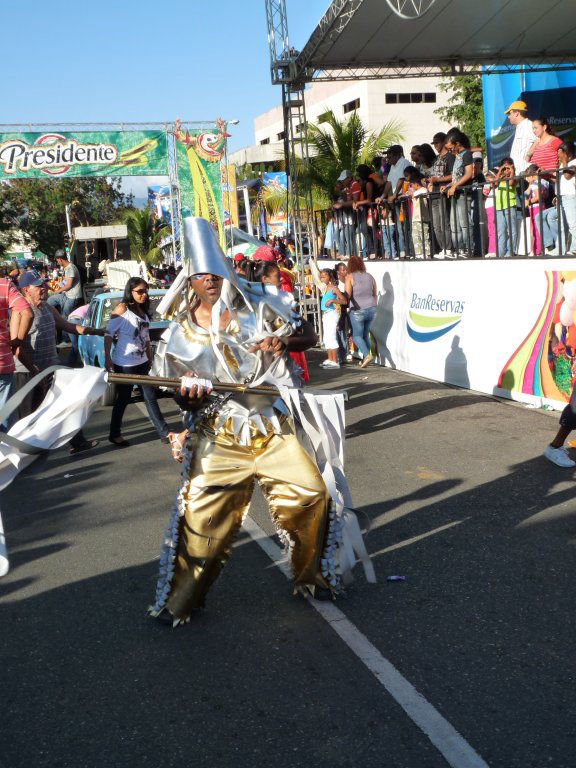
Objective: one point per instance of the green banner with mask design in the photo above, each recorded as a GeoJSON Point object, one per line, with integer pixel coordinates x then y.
{"type": "Point", "coordinates": [199, 154]}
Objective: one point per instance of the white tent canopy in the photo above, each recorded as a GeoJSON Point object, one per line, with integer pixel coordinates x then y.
{"type": "Point", "coordinates": [369, 39]}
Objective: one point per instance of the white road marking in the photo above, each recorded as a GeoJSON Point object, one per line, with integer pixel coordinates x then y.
{"type": "Point", "coordinates": [453, 747]}
{"type": "Point", "coordinates": [415, 539]}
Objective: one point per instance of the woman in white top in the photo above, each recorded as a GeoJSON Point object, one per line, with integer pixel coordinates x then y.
{"type": "Point", "coordinates": [567, 187]}
{"type": "Point", "coordinates": [129, 326]}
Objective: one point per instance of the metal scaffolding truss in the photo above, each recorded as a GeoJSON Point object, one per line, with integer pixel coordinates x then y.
{"type": "Point", "coordinates": [398, 72]}
{"type": "Point", "coordinates": [328, 30]}
{"type": "Point", "coordinates": [278, 41]}
{"type": "Point", "coordinates": [378, 39]}
{"type": "Point", "coordinates": [112, 125]}
{"type": "Point", "coordinates": [410, 9]}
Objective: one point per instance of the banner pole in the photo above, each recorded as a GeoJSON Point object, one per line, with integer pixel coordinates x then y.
{"type": "Point", "coordinates": [178, 197]}
{"type": "Point", "coordinates": [171, 183]}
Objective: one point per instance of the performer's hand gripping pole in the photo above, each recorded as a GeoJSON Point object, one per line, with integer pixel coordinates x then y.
{"type": "Point", "coordinates": [169, 383]}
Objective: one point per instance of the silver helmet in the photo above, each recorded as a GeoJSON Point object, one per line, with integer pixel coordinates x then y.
{"type": "Point", "coordinates": [202, 255]}
{"type": "Point", "coordinates": [202, 250]}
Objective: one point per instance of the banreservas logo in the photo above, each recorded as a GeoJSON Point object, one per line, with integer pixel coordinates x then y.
{"type": "Point", "coordinates": [434, 318]}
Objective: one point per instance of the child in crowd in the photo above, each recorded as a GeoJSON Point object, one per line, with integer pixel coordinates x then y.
{"type": "Point", "coordinates": [506, 202]}
{"type": "Point", "coordinates": [536, 196]}
{"type": "Point", "coordinates": [420, 213]}
{"type": "Point", "coordinates": [268, 272]}
{"type": "Point", "coordinates": [405, 214]}
{"type": "Point", "coordinates": [488, 192]}
{"type": "Point", "coordinates": [330, 305]}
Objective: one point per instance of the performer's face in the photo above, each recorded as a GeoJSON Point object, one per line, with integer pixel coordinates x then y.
{"type": "Point", "coordinates": [207, 287]}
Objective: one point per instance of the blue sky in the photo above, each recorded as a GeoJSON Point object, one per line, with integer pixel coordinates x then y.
{"type": "Point", "coordinates": [107, 60]}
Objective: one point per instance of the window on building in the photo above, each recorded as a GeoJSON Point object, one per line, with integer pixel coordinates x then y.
{"type": "Point", "coordinates": [323, 118]}
{"type": "Point", "coordinates": [280, 136]}
{"type": "Point", "coordinates": [351, 106]}
{"type": "Point", "coordinates": [264, 141]}
{"type": "Point", "coordinates": [410, 98]}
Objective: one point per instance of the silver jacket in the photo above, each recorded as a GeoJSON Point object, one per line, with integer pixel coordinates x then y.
{"type": "Point", "coordinates": [257, 311]}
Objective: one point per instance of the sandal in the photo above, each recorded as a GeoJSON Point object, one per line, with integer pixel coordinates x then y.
{"type": "Point", "coordinates": [87, 445]}
{"type": "Point", "coordinates": [176, 445]}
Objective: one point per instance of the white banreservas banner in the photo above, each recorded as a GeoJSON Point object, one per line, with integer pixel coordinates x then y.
{"type": "Point", "coordinates": [503, 327]}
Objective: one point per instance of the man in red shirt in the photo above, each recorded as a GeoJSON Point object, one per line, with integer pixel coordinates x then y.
{"type": "Point", "coordinates": [15, 321]}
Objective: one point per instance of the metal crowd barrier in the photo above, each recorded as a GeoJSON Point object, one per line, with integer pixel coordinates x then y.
{"type": "Point", "coordinates": [491, 219]}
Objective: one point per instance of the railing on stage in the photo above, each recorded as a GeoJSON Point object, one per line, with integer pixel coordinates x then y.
{"type": "Point", "coordinates": [510, 217]}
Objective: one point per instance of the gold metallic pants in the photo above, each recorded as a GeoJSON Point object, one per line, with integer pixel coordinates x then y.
{"type": "Point", "coordinates": [222, 475]}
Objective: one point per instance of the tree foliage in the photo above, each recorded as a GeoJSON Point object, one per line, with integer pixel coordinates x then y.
{"type": "Point", "coordinates": [465, 107]}
{"type": "Point", "coordinates": [336, 145]}
{"type": "Point", "coordinates": [245, 172]}
{"type": "Point", "coordinates": [145, 234]}
{"type": "Point", "coordinates": [36, 208]}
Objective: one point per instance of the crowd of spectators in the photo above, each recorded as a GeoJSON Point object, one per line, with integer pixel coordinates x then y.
{"type": "Point", "coordinates": [442, 203]}
{"type": "Point", "coordinates": [29, 322]}
{"type": "Point", "coordinates": [40, 304]}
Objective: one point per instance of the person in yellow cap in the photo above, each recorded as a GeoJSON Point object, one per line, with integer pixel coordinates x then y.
{"type": "Point", "coordinates": [523, 137]}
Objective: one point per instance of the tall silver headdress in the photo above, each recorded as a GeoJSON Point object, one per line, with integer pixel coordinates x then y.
{"type": "Point", "coordinates": [202, 254]}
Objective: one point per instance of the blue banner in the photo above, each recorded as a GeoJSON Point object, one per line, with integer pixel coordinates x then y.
{"type": "Point", "coordinates": [278, 182]}
{"type": "Point", "coordinates": [547, 94]}
{"type": "Point", "coordinates": [160, 202]}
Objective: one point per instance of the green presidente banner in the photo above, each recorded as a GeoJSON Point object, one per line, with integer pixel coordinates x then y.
{"type": "Point", "coordinates": [96, 153]}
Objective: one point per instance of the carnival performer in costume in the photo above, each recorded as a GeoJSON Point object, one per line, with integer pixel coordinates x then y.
{"type": "Point", "coordinates": [228, 330]}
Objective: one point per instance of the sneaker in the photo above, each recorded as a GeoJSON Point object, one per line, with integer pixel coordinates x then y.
{"type": "Point", "coordinates": [349, 358]}
{"type": "Point", "coordinates": [559, 456]}
{"type": "Point", "coordinates": [402, 254]}
{"type": "Point", "coordinates": [330, 364]}
{"type": "Point", "coordinates": [490, 256]}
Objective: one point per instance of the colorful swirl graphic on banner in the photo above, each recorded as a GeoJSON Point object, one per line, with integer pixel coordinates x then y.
{"type": "Point", "coordinates": [531, 369]}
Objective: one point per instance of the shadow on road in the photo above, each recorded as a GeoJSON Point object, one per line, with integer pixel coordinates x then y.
{"type": "Point", "coordinates": [409, 413]}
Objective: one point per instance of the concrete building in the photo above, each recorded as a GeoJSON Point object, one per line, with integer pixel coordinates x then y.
{"type": "Point", "coordinates": [410, 101]}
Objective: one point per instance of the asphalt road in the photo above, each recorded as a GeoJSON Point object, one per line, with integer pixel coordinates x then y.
{"type": "Point", "coordinates": [462, 504]}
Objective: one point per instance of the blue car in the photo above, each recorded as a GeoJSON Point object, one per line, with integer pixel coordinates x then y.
{"type": "Point", "coordinates": [91, 348]}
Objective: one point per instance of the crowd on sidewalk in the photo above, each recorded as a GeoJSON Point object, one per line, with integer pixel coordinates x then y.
{"type": "Point", "coordinates": [42, 303]}
{"type": "Point", "coordinates": [442, 202]}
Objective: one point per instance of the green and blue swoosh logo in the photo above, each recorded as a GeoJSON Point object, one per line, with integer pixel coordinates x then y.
{"type": "Point", "coordinates": [428, 328]}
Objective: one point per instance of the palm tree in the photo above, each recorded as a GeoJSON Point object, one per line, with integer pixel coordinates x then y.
{"type": "Point", "coordinates": [344, 144]}
{"type": "Point", "coordinates": [145, 234]}
{"type": "Point", "coordinates": [340, 144]}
